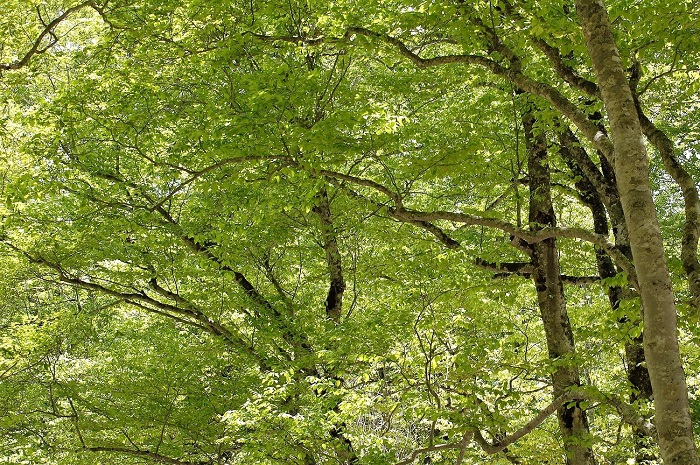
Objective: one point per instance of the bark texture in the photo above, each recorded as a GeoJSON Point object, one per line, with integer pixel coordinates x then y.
{"type": "Point", "coordinates": [573, 422]}
{"type": "Point", "coordinates": [334, 299]}
{"type": "Point", "coordinates": [672, 411]}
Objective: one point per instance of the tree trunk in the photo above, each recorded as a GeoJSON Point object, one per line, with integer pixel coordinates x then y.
{"type": "Point", "coordinates": [637, 374]}
{"type": "Point", "coordinates": [631, 165]}
{"type": "Point", "coordinates": [573, 422]}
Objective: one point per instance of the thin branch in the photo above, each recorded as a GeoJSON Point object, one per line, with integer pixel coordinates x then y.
{"type": "Point", "coordinates": [142, 300]}
{"type": "Point", "coordinates": [456, 445]}
{"type": "Point", "coordinates": [158, 458]}
{"type": "Point", "coordinates": [513, 74]}
{"type": "Point", "coordinates": [436, 231]}
{"type": "Point", "coordinates": [198, 174]}
{"type": "Point", "coordinates": [49, 28]}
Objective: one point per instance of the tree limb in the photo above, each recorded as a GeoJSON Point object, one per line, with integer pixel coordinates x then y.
{"type": "Point", "coordinates": [565, 71]}
{"type": "Point", "coordinates": [158, 458]}
{"type": "Point", "coordinates": [49, 28]}
{"type": "Point", "coordinates": [525, 269]}
{"type": "Point", "coordinates": [513, 74]}
{"type": "Point", "coordinates": [691, 200]}
{"type": "Point", "coordinates": [414, 216]}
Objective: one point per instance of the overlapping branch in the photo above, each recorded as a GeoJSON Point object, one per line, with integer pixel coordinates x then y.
{"type": "Point", "coordinates": [627, 412]}
{"type": "Point", "coordinates": [411, 216]}
{"type": "Point", "coordinates": [184, 312]}
{"type": "Point", "coordinates": [525, 269]}
{"type": "Point", "coordinates": [513, 74]}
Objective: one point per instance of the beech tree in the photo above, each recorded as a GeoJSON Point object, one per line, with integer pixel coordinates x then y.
{"type": "Point", "coordinates": [349, 232]}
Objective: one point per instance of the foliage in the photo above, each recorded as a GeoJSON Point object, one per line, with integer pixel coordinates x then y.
{"type": "Point", "coordinates": [167, 250]}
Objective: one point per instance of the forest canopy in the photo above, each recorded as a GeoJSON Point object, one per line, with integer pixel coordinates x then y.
{"type": "Point", "coordinates": [349, 232]}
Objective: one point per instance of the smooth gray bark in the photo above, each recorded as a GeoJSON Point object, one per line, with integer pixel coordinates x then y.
{"type": "Point", "coordinates": [631, 165]}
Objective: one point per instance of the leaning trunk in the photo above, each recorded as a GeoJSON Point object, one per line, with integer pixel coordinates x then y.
{"type": "Point", "coordinates": [631, 165]}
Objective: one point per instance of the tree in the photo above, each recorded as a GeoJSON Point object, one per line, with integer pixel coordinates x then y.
{"type": "Point", "coordinates": [672, 412]}
{"type": "Point", "coordinates": [295, 231]}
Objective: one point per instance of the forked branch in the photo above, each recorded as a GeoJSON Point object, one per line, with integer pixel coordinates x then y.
{"type": "Point", "coordinates": [48, 31]}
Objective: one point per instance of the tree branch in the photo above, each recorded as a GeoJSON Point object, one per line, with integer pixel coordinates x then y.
{"type": "Point", "coordinates": [691, 200]}
{"type": "Point", "coordinates": [192, 316]}
{"type": "Point", "coordinates": [456, 445]}
{"type": "Point", "coordinates": [198, 174]}
{"type": "Point", "coordinates": [525, 269]}
{"type": "Point", "coordinates": [530, 426]}
{"type": "Point", "coordinates": [439, 233]}
{"type": "Point", "coordinates": [158, 458]}
{"type": "Point", "coordinates": [513, 74]}
{"type": "Point", "coordinates": [49, 28]}
{"type": "Point", "coordinates": [506, 441]}
{"type": "Point", "coordinates": [565, 71]}
{"type": "Point", "coordinates": [424, 218]}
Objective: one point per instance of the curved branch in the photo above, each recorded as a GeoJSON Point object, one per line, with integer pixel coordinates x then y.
{"type": "Point", "coordinates": [186, 314]}
{"type": "Point", "coordinates": [506, 441]}
{"type": "Point", "coordinates": [426, 218]}
{"type": "Point", "coordinates": [462, 445]}
{"type": "Point", "coordinates": [526, 235]}
{"type": "Point", "coordinates": [513, 74]}
{"type": "Point", "coordinates": [691, 200]}
{"type": "Point", "coordinates": [530, 426]}
{"type": "Point", "coordinates": [549, 93]}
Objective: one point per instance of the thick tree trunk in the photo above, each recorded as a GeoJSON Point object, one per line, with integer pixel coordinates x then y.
{"type": "Point", "coordinates": [573, 422]}
{"type": "Point", "coordinates": [632, 171]}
